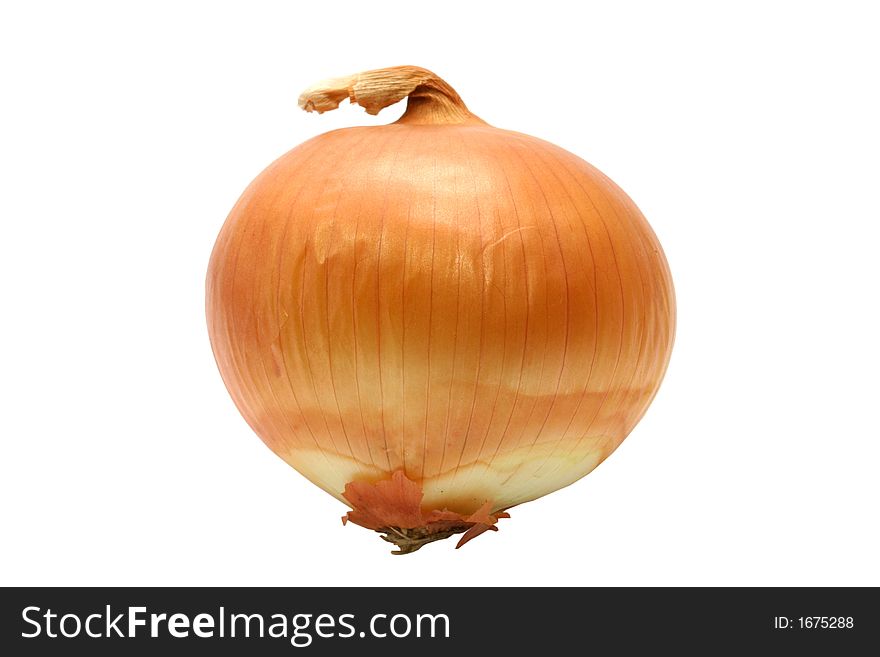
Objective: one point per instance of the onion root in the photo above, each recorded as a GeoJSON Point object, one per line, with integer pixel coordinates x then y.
{"type": "Point", "coordinates": [392, 507]}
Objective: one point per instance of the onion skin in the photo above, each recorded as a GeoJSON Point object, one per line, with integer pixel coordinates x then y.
{"type": "Point", "coordinates": [477, 309]}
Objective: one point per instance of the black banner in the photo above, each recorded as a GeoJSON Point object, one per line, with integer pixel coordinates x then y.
{"type": "Point", "coordinates": [333, 621]}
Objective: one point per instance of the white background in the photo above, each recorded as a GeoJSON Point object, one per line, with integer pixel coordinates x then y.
{"type": "Point", "coordinates": [747, 133]}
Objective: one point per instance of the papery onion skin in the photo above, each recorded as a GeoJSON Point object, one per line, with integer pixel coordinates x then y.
{"type": "Point", "coordinates": [476, 308]}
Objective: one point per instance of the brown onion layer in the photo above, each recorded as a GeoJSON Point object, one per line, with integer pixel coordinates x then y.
{"type": "Point", "coordinates": [393, 507]}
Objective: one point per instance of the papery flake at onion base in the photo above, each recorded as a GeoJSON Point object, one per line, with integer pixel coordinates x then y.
{"type": "Point", "coordinates": [393, 508]}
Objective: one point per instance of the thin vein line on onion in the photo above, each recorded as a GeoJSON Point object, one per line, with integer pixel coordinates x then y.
{"type": "Point", "coordinates": [436, 320]}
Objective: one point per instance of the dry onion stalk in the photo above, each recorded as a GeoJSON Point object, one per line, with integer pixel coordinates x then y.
{"type": "Point", "coordinates": [436, 320]}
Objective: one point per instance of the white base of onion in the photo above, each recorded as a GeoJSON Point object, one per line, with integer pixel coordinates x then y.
{"type": "Point", "coordinates": [512, 478]}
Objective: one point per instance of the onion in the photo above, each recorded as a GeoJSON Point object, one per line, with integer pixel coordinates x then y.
{"type": "Point", "coordinates": [436, 320]}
